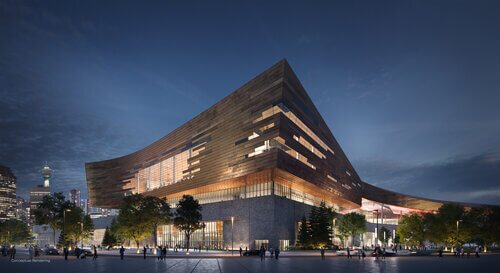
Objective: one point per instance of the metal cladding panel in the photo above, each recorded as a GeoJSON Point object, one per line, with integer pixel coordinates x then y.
{"type": "Point", "coordinates": [230, 132]}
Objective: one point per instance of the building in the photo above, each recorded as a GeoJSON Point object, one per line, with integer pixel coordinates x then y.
{"type": "Point", "coordinates": [100, 225]}
{"type": "Point", "coordinates": [75, 197]}
{"type": "Point", "coordinates": [23, 210]}
{"type": "Point", "coordinates": [256, 161]}
{"type": "Point", "coordinates": [7, 194]}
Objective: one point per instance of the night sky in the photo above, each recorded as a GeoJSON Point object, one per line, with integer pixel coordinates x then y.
{"type": "Point", "coordinates": [410, 89]}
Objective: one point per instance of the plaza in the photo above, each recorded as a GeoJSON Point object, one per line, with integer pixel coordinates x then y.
{"type": "Point", "coordinates": [216, 264]}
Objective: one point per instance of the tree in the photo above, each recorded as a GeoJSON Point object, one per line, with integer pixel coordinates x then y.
{"type": "Point", "coordinates": [14, 231]}
{"type": "Point", "coordinates": [321, 225]}
{"type": "Point", "coordinates": [449, 217]}
{"type": "Point", "coordinates": [481, 225]}
{"type": "Point", "coordinates": [155, 212]}
{"type": "Point", "coordinates": [77, 226]}
{"type": "Point", "coordinates": [188, 217]}
{"type": "Point", "coordinates": [51, 212]}
{"type": "Point", "coordinates": [131, 222]}
{"type": "Point", "coordinates": [304, 237]}
{"type": "Point", "coordinates": [109, 239]}
{"type": "Point", "coordinates": [351, 224]}
{"type": "Point", "coordinates": [411, 229]}
{"type": "Point", "coordinates": [383, 235]}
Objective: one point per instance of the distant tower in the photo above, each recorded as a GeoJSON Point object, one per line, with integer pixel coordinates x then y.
{"type": "Point", "coordinates": [47, 174]}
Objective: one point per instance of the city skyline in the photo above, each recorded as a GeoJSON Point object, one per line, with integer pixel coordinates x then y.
{"type": "Point", "coordinates": [415, 109]}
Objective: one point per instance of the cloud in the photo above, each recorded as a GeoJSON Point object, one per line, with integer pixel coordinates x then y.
{"type": "Point", "coordinates": [467, 178]}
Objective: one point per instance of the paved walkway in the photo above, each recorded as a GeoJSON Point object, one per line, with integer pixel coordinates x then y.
{"type": "Point", "coordinates": [253, 265]}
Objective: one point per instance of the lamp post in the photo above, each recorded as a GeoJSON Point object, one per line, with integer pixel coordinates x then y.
{"type": "Point", "coordinates": [64, 225]}
{"type": "Point", "coordinates": [458, 221]}
{"type": "Point", "coordinates": [81, 233]}
{"type": "Point", "coordinates": [376, 229]}
{"type": "Point", "coordinates": [232, 233]}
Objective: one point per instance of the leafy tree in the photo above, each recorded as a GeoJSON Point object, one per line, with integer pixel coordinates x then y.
{"type": "Point", "coordinates": [77, 226]}
{"type": "Point", "coordinates": [188, 217]}
{"type": "Point", "coordinates": [304, 237]}
{"type": "Point", "coordinates": [411, 229]}
{"type": "Point", "coordinates": [351, 224]}
{"type": "Point", "coordinates": [383, 235]}
{"type": "Point", "coordinates": [450, 216]}
{"type": "Point", "coordinates": [155, 212]}
{"type": "Point", "coordinates": [321, 225]}
{"type": "Point", "coordinates": [481, 225]}
{"type": "Point", "coordinates": [14, 231]}
{"type": "Point", "coordinates": [51, 211]}
{"type": "Point", "coordinates": [109, 238]}
{"type": "Point", "coordinates": [131, 222]}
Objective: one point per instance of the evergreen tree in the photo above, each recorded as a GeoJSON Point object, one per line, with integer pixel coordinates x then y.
{"type": "Point", "coordinates": [304, 237]}
{"type": "Point", "coordinates": [321, 223]}
{"type": "Point", "coordinates": [109, 240]}
{"type": "Point", "coordinates": [62, 242]}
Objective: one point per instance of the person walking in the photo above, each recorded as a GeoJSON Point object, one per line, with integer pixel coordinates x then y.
{"type": "Point", "coordinates": [30, 251]}
{"type": "Point", "coordinates": [95, 253]}
{"type": "Point", "coordinates": [122, 252]}
{"type": "Point", "coordinates": [159, 252]}
{"type": "Point", "coordinates": [322, 251]}
{"type": "Point", "coordinates": [13, 252]}
{"type": "Point", "coordinates": [164, 252]}
{"type": "Point", "coordinates": [241, 251]}
{"type": "Point", "coordinates": [66, 252]}
{"type": "Point", "coordinates": [477, 251]}
{"type": "Point", "coordinates": [262, 253]}
{"type": "Point", "coordinates": [440, 252]}
{"type": "Point", "coordinates": [383, 253]}
{"type": "Point", "coordinates": [277, 253]}
{"type": "Point", "coordinates": [144, 250]}
{"type": "Point", "coordinates": [271, 251]}
{"type": "Point", "coordinates": [348, 253]}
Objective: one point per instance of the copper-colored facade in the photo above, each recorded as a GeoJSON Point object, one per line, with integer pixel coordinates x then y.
{"type": "Point", "coordinates": [266, 131]}
{"type": "Point", "coordinates": [265, 137]}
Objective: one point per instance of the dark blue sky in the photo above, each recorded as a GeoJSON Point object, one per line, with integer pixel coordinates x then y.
{"type": "Point", "coordinates": [411, 89]}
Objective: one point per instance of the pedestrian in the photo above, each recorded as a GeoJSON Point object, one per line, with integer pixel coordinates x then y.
{"type": "Point", "coordinates": [440, 252]}
{"type": "Point", "coordinates": [477, 251]}
{"type": "Point", "coordinates": [144, 250]}
{"type": "Point", "coordinates": [348, 253]}
{"type": "Point", "coordinates": [13, 252]}
{"type": "Point", "coordinates": [30, 251]}
{"type": "Point", "coordinates": [122, 252]}
{"type": "Point", "coordinates": [159, 252]}
{"type": "Point", "coordinates": [383, 253]}
{"type": "Point", "coordinates": [363, 253]}
{"type": "Point", "coordinates": [241, 251]}
{"type": "Point", "coordinates": [271, 251]}
{"type": "Point", "coordinates": [322, 251]}
{"type": "Point", "coordinates": [95, 253]}
{"type": "Point", "coordinates": [164, 252]}
{"type": "Point", "coordinates": [77, 252]}
{"type": "Point", "coordinates": [262, 253]}
{"type": "Point", "coordinates": [277, 253]}
{"type": "Point", "coordinates": [66, 252]}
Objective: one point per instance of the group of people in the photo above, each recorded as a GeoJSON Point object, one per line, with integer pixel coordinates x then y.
{"type": "Point", "coordinates": [460, 252]}
{"type": "Point", "coordinates": [10, 251]}
{"type": "Point", "coordinates": [275, 253]}
{"type": "Point", "coordinates": [161, 252]}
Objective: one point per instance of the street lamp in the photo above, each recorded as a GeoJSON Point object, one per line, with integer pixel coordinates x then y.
{"type": "Point", "coordinates": [232, 233]}
{"type": "Point", "coordinates": [458, 221]}
{"type": "Point", "coordinates": [376, 229]}
{"type": "Point", "coordinates": [81, 233]}
{"type": "Point", "coordinates": [64, 225]}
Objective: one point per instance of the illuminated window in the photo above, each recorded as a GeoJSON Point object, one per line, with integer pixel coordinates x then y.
{"type": "Point", "coordinates": [281, 108]}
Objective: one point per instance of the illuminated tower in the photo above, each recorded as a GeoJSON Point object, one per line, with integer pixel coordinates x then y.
{"type": "Point", "coordinates": [47, 174]}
